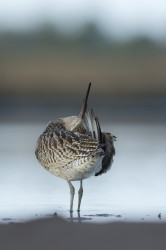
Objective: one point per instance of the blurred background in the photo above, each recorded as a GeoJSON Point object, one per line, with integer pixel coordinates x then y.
{"type": "Point", "coordinates": [49, 52]}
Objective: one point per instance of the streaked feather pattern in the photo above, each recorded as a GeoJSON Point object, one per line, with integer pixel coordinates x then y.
{"type": "Point", "coordinates": [58, 147]}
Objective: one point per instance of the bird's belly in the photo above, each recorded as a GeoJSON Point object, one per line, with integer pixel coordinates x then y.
{"type": "Point", "coordinates": [79, 169]}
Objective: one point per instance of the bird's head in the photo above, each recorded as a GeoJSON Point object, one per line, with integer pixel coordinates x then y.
{"type": "Point", "coordinates": [73, 123]}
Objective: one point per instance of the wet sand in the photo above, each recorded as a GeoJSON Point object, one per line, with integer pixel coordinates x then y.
{"type": "Point", "coordinates": [56, 233]}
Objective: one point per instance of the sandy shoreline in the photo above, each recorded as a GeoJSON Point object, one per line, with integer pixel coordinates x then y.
{"type": "Point", "coordinates": [56, 233]}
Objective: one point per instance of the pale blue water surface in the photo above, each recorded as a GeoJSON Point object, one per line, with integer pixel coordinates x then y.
{"type": "Point", "coordinates": [133, 190]}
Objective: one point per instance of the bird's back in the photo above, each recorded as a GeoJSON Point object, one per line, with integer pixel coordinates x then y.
{"type": "Point", "coordinates": [67, 154]}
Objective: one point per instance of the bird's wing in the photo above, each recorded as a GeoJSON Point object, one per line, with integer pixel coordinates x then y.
{"type": "Point", "coordinates": [61, 147]}
{"type": "Point", "coordinates": [89, 118]}
{"type": "Point", "coordinates": [92, 125]}
{"type": "Point", "coordinates": [106, 140]}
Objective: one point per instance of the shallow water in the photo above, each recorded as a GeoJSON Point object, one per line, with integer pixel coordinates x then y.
{"type": "Point", "coordinates": [133, 190]}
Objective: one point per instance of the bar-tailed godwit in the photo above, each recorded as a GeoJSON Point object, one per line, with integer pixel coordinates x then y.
{"type": "Point", "coordinates": [74, 148]}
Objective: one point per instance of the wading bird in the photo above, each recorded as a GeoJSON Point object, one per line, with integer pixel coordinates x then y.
{"type": "Point", "coordinates": [74, 148]}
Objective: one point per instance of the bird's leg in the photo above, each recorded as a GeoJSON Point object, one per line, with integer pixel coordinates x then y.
{"type": "Point", "coordinates": [72, 192]}
{"type": "Point", "coordinates": [80, 194]}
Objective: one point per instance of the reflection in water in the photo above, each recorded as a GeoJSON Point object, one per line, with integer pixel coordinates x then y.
{"type": "Point", "coordinates": [88, 217]}
{"type": "Point", "coordinates": [77, 218]}
{"type": "Point", "coordinates": [81, 217]}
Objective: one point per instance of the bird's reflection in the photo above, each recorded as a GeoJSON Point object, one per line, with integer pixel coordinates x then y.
{"type": "Point", "coordinates": [78, 218]}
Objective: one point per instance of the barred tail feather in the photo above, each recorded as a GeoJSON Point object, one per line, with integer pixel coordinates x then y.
{"type": "Point", "coordinates": [109, 150]}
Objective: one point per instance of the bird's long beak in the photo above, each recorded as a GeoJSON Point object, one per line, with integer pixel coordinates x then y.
{"type": "Point", "coordinates": [84, 106]}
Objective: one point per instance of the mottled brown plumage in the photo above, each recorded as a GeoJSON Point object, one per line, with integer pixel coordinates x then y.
{"type": "Point", "coordinates": [74, 148]}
